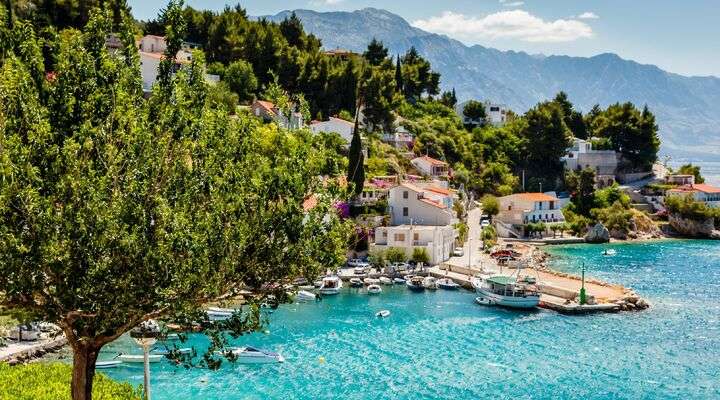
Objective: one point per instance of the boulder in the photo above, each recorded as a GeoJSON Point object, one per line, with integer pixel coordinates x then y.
{"type": "Point", "coordinates": [598, 234]}
{"type": "Point", "coordinates": [690, 227]}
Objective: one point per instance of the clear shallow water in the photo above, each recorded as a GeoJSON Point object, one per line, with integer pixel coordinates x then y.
{"type": "Point", "coordinates": [441, 345]}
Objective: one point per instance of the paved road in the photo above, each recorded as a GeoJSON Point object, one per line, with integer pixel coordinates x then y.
{"type": "Point", "coordinates": [471, 248]}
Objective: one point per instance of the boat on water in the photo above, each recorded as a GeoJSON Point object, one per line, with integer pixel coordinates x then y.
{"type": "Point", "coordinates": [219, 314]}
{"type": "Point", "coordinates": [252, 355]}
{"type": "Point", "coordinates": [356, 282]}
{"type": "Point", "coordinates": [386, 280]}
{"type": "Point", "coordinates": [139, 358]}
{"type": "Point", "coordinates": [484, 301]}
{"type": "Point", "coordinates": [107, 364]}
{"type": "Point", "coordinates": [317, 284]}
{"type": "Point", "coordinates": [330, 285]}
{"type": "Point", "coordinates": [371, 281]}
{"type": "Point", "coordinates": [609, 252]}
{"type": "Point", "coordinates": [374, 289]}
{"type": "Point", "coordinates": [506, 291]}
{"type": "Point", "coordinates": [162, 352]}
{"type": "Point", "coordinates": [382, 313]}
{"type": "Point", "coordinates": [304, 295]}
{"type": "Point", "coordinates": [399, 281]}
{"type": "Point", "coordinates": [447, 284]}
{"type": "Point", "coordinates": [430, 283]}
{"type": "Point", "coordinates": [415, 284]}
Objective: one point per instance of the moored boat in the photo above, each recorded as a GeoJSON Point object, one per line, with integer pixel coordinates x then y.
{"type": "Point", "coordinates": [399, 281]}
{"type": "Point", "coordinates": [415, 283]}
{"type": "Point", "coordinates": [107, 364]}
{"type": "Point", "coordinates": [139, 358]}
{"type": "Point", "coordinates": [219, 314]}
{"type": "Point", "coordinates": [506, 291]}
{"type": "Point", "coordinates": [382, 313]}
{"type": "Point", "coordinates": [484, 301]}
{"type": "Point", "coordinates": [430, 283]}
{"type": "Point", "coordinates": [356, 282]}
{"type": "Point", "coordinates": [385, 280]}
{"type": "Point", "coordinates": [374, 289]}
{"type": "Point", "coordinates": [331, 285]}
{"type": "Point", "coordinates": [371, 281]}
{"type": "Point", "coordinates": [447, 283]}
{"type": "Point", "coordinates": [304, 295]}
{"type": "Point", "coordinates": [252, 355]}
{"type": "Point", "coordinates": [162, 352]}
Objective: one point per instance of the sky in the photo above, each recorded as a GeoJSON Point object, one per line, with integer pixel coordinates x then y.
{"type": "Point", "coordinates": [681, 36]}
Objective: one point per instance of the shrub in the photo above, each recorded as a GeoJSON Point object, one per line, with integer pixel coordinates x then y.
{"type": "Point", "coordinates": [688, 208]}
{"type": "Point", "coordinates": [41, 381]}
{"type": "Point", "coordinates": [394, 254]}
{"type": "Point", "coordinates": [377, 258]}
{"type": "Point", "coordinates": [490, 205]}
{"type": "Point", "coordinates": [462, 230]}
{"type": "Point", "coordinates": [615, 217]}
{"type": "Point", "coordinates": [420, 255]}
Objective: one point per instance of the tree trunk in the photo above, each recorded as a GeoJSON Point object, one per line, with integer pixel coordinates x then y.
{"type": "Point", "coordinates": [84, 358]}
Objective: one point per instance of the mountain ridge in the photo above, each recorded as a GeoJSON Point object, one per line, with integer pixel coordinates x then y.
{"type": "Point", "coordinates": [687, 107]}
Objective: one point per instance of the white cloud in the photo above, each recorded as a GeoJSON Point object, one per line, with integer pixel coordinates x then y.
{"type": "Point", "coordinates": [588, 15]}
{"type": "Point", "coordinates": [515, 24]}
{"type": "Point", "coordinates": [507, 3]}
{"type": "Point", "coordinates": [325, 2]}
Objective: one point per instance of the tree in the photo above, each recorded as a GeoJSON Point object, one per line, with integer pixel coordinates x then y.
{"type": "Point", "coordinates": [449, 99]}
{"type": "Point", "coordinates": [356, 162]}
{"type": "Point", "coordinates": [115, 209]}
{"type": "Point", "coordinates": [633, 133]}
{"type": "Point", "coordinates": [573, 119]}
{"type": "Point", "coordinates": [240, 79]}
{"type": "Point", "coordinates": [292, 29]}
{"type": "Point", "coordinates": [398, 75]}
{"type": "Point", "coordinates": [694, 170]}
{"type": "Point", "coordinates": [581, 185]}
{"type": "Point", "coordinates": [475, 112]}
{"type": "Point", "coordinates": [378, 98]}
{"type": "Point", "coordinates": [376, 52]}
{"type": "Point", "coordinates": [395, 255]}
{"type": "Point", "coordinates": [420, 255]}
{"type": "Point", "coordinates": [490, 205]}
{"type": "Point", "coordinates": [546, 141]}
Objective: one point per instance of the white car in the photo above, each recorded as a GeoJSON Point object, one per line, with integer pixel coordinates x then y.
{"type": "Point", "coordinates": [355, 262]}
{"type": "Point", "coordinates": [459, 252]}
{"type": "Point", "coordinates": [484, 224]}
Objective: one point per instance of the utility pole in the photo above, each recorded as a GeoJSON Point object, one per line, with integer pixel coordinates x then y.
{"type": "Point", "coordinates": [583, 298]}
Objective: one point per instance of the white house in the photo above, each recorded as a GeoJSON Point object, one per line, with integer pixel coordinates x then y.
{"type": "Point", "coordinates": [677, 179]}
{"type": "Point", "coordinates": [374, 191]}
{"type": "Point", "coordinates": [438, 241]}
{"type": "Point", "coordinates": [524, 208]}
{"type": "Point", "coordinates": [429, 166]}
{"type": "Point", "coordinates": [707, 194]}
{"type": "Point", "coordinates": [410, 204]}
{"type": "Point", "coordinates": [152, 49]}
{"type": "Point", "coordinates": [495, 114]}
{"type": "Point", "coordinates": [604, 162]}
{"type": "Point", "coordinates": [268, 112]}
{"type": "Point", "coordinates": [334, 125]}
{"type": "Point", "coordinates": [401, 138]}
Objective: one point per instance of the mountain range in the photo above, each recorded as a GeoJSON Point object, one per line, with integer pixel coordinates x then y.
{"type": "Point", "coordinates": [687, 108]}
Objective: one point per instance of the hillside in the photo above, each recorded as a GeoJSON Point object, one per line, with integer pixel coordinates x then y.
{"type": "Point", "coordinates": [688, 108]}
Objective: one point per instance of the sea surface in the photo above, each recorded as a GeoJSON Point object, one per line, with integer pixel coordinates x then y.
{"type": "Point", "coordinates": [441, 345]}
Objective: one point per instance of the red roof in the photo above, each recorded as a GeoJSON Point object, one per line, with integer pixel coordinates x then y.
{"type": "Point", "coordinates": [438, 190]}
{"type": "Point", "coordinates": [698, 187]}
{"type": "Point", "coordinates": [433, 203]}
{"type": "Point", "coordinates": [535, 197]}
{"type": "Point", "coordinates": [266, 105]}
{"type": "Point", "coordinates": [433, 161]}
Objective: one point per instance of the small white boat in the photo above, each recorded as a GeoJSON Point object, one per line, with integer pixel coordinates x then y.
{"type": "Point", "coordinates": [609, 252]}
{"type": "Point", "coordinates": [172, 336]}
{"type": "Point", "coordinates": [304, 295]}
{"type": "Point", "coordinates": [331, 285]}
{"type": "Point", "coordinates": [382, 313]}
{"type": "Point", "coordinates": [317, 284]}
{"type": "Point", "coordinates": [407, 277]}
{"type": "Point", "coordinates": [219, 314]}
{"type": "Point", "coordinates": [430, 283]}
{"type": "Point", "coordinates": [506, 291]}
{"type": "Point", "coordinates": [252, 355]}
{"type": "Point", "coordinates": [447, 283]}
{"type": "Point", "coordinates": [374, 289]}
{"type": "Point", "coordinates": [163, 352]}
{"type": "Point", "coordinates": [306, 287]}
{"type": "Point", "coordinates": [385, 280]}
{"type": "Point", "coordinates": [399, 281]}
{"type": "Point", "coordinates": [139, 358]}
{"type": "Point", "coordinates": [484, 301]}
{"type": "Point", "coordinates": [371, 281]}
{"type": "Point", "coordinates": [107, 364]}
{"type": "Point", "coordinates": [356, 282]}
{"type": "Point", "coordinates": [415, 283]}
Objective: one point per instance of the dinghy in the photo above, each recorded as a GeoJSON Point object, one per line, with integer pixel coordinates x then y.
{"type": "Point", "coordinates": [399, 281]}
{"type": "Point", "coordinates": [484, 301]}
{"type": "Point", "coordinates": [382, 313]}
{"type": "Point", "coordinates": [371, 281]}
{"type": "Point", "coordinates": [356, 282]}
{"type": "Point", "coordinates": [430, 283]}
{"type": "Point", "coordinates": [385, 280]}
{"type": "Point", "coordinates": [447, 283]}
{"type": "Point", "coordinates": [331, 285]}
{"type": "Point", "coordinates": [415, 283]}
{"type": "Point", "coordinates": [139, 358]}
{"type": "Point", "coordinates": [107, 364]}
{"type": "Point", "coordinates": [304, 295]}
{"type": "Point", "coordinates": [374, 289]}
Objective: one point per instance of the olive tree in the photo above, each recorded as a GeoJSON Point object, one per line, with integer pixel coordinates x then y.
{"type": "Point", "coordinates": [115, 209]}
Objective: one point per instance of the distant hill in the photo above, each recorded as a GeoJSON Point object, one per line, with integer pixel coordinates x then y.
{"type": "Point", "coordinates": [688, 108]}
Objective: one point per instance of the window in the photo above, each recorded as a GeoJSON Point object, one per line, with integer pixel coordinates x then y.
{"type": "Point", "coordinates": [405, 211]}
{"type": "Point", "coordinates": [494, 109]}
{"type": "Point", "coordinates": [416, 236]}
{"type": "Point", "coordinates": [399, 237]}
{"type": "Point", "coordinates": [384, 234]}
{"type": "Point", "coordinates": [539, 205]}
{"type": "Point", "coordinates": [552, 205]}
{"type": "Point", "coordinates": [405, 194]}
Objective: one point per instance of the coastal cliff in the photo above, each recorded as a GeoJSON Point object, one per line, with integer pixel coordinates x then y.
{"type": "Point", "coordinates": [694, 228]}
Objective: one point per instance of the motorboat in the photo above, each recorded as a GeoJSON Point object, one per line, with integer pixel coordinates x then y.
{"type": "Point", "coordinates": [407, 277]}
{"type": "Point", "coordinates": [447, 283]}
{"type": "Point", "coordinates": [357, 262]}
{"type": "Point", "coordinates": [374, 289]}
{"type": "Point", "coordinates": [356, 282]}
{"type": "Point", "coordinates": [330, 285]}
{"type": "Point", "coordinates": [415, 283]}
{"type": "Point", "coordinates": [609, 252]}
{"type": "Point", "coordinates": [385, 280]}
{"type": "Point", "coordinates": [382, 313]}
{"type": "Point", "coordinates": [252, 355]}
{"type": "Point", "coordinates": [139, 358]}
{"type": "Point", "coordinates": [219, 314]}
{"type": "Point", "coordinates": [430, 283]}
{"type": "Point", "coordinates": [304, 295]}
{"type": "Point", "coordinates": [107, 364]}
{"type": "Point", "coordinates": [506, 291]}
{"type": "Point", "coordinates": [317, 284]}
{"type": "Point", "coordinates": [399, 281]}
{"type": "Point", "coordinates": [484, 301]}
{"type": "Point", "coordinates": [163, 352]}
{"type": "Point", "coordinates": [371, 281]}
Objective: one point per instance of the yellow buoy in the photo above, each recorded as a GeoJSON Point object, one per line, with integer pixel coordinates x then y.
{"type": "Point", "coordinates": [321, 359]}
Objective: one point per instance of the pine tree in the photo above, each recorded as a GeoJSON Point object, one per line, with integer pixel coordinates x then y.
{"type": "Point", "coordinates": [398, 75]}
{"type": "Point", "coordinates": [376, 52]}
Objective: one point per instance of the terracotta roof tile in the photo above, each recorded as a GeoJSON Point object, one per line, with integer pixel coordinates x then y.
{"type": "Point", "coordinates": [535, 197]}
{"type": "Point", "coordinates": [698, 187]}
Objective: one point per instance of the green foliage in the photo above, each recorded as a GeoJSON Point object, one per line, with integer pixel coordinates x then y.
{"type": "Point", "coordinates": [462, 230]}
{"type": "Point", "coordinates": [240, 79]}
{"type": "Point", "coordinates": [688, 208]}
{"type": "Point", "coordinates": [420, 255]}
{"type": "Point", "coordinates": [356, 163]}
{"type": "Point", "coordinates": [694, 170]}
{"type": "Point", "coordinates": [616, 217]}
{"type": "Point", "coordinates": [40, 381]}
{"type": "Point", "coordinates": [490, 205]}
{"type": "Point", "coordinates": [222, 97]}
{"type": "Point", "coordinates": [449, 99]}
{"type": "Point", "coordinates": [378, 97]}
{"type": "Point", "coordinates": [547, 139]}
{"type": "Point", "coordinates": [573, 119]}
{"type": "Point", "coordinates": [474, 111]}
{"type": "Point", "coordinates": [489, 236]}
{"type": "Point", "coordinates": [581, 185]}
{"type": "Point", "coordinates": [610, 195]}
{"type": "Point", "coordinates": [376, 53]}
{"type": "Point", "coordinates": [395, 255]}
{"type": "Point", "coordinates": [418, 77]}
{"type": "Point", "coordinates": [377, 258]}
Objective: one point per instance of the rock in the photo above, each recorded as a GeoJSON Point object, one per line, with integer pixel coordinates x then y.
{"type": "Point", "coordinates": [598, 234]}
{"type": "Point", "coordinates": [715, 235]}
{"type": "Point", "coordinates": [689, 227]}
{"type": "Point", "coordinates": [618, 234]}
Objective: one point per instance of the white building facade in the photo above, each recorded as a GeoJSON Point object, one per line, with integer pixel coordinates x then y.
{"type": "Point", "coordinates": [410, 204]}
{"type": "Point", "coordinates": [334, 125]}
{"type": "Point", "coordinates": [710, 195]}
{"type": "Point", "coordinates": [431, 167]}
{"type": "Point", "coordinates": [525, 208]}
{"type": "Point", "coordinates": [438, 241]}
{"type": "Point", "coordinates": [604, 162]}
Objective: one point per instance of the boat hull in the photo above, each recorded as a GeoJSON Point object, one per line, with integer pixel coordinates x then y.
{"type": "Point", "coordinates": [133, 358]}
{"type": "Point", "coordinates": [527, 302]}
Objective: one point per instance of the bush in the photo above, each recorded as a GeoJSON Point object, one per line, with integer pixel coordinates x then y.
{"type": "Point", "coordinates": [615, 217]}
{"type": "Point", "coordinates": [462, 230]}
{"type": "Point", "coordinates": [609, 196]}
{"type": "Point", "coordinates": [394, 254]}
{"type": "Point", "coordinates": [490, 205]}
{"type": "Point", "coordinates": [377, 258]}
{"type": "Point", "coordinates": [688, 208]}
{"type": "Point", "coordinates": [420, 255]}
{"type": "Point", "coordinates": [40, 381]}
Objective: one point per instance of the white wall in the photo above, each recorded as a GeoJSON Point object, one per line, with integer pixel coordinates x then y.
{"type": "Point", "coordinates": [336, 125]}
{"type": "Point", "coordinates": [418, 212]}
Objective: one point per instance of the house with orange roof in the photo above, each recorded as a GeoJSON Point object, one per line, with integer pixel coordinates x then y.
{"type": "Point", "coordinates": [525, 208]}
{"type": "Point", "coordinates": [412, 204]}
{"type": "Point", "coordinates": [710, 195]}
{"type": "Point", "coordinates": [429, 166]}
{"type": "Point", "coordinates": [269, 112]}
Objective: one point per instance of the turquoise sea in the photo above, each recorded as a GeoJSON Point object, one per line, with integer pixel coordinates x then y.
{"type": "Point", "coordinates": [442, 345]}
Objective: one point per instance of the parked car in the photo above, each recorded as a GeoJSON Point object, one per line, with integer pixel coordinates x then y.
{"type": "Point", "coordinates": [355, 262]}
{"type": "Point", "coordinates": [458, 252]}
{"type": "Point", "coordinates": [361, 268]}
{"type": "Point", "coordinates": [484, 223]}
